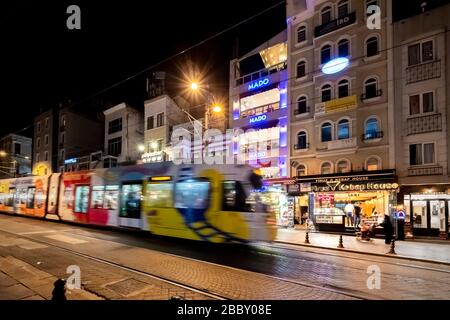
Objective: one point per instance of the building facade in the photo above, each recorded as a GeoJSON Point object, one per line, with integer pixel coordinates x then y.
{"type": "Point", "coordinates": [420, 60]}
{"type": "Point", "coordinates": [340, 114]}
{"type": "Point", "coordinates": [15, 156]}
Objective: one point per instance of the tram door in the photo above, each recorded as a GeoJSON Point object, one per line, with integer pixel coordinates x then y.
{"type": "Point", "coordinates": [130, 204]}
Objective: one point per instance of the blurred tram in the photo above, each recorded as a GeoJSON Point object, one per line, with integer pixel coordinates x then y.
{"type": "Point", "coordinates": [197, 202]}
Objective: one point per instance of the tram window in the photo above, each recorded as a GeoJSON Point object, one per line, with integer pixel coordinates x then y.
{"type": "Point", "coordinates": [131, 201]}
{"type": "Point", "coordinates": [68, 197]}
{"type": "Point", "coordinates": [159, 195]}
{"type": "Point", "coordinates": [81, 199]}
{"type": "Point", "coordinates": [97, 197]}
{"type": "Point", "coordinates": [234, 197]}
{"type": "Point", "coordinates": [111, 197]}
{"type": "Point", "coordinates": [192, 194]}
{"type": "Point", "coordinates": [30, 197]}
{"type": "Point", "coordinates": [10, 200]}
{"type": "Point", "coordinates": [23, 196]}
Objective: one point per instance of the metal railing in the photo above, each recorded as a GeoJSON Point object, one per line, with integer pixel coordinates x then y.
{"type": "Point", "coordinates": [377, 93]}
{"type": "Point", "coordinates": [261, 73]}
{"type": "Point", "coordinates": [425, 171]}
{"type": "Point", "coordinates": [423, 71]}
{"type": "Point", "coordinates": [372, 135]}
{"type": "Point", "coordinates": [298, 111]}
{"type": "Point", "coordinates": [301, 146]}
{"type": "Point", "coordinates": [424, 124]}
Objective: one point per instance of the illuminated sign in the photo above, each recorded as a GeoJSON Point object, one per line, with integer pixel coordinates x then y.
{"type": "Point", "coordinates": [257, 155]}
{"type": "Point", "coordinates": [258, 84]}
{"type": "Point", "coordinates": [68, 161]}
{"type": "Point", "coordinates": [262, 117]}
{"type": "Point", "coordinates": [153, 157]}
{"type": "Point", "coordinates": [335, 65]}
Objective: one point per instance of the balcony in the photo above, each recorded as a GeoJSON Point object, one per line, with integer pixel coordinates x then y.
{"type": "Point", "coordinates": [342, 144]}
{"type": "Point", "coordinates": [261, 73]}
{"type": "Point", "coordinates": [424, 71]}
{"type": "Point", "coordinates": [424, 124]}
{"type": "Point", "coordinates": [335, 24]}
{"type": "Point", "coordinates": [301, 147]}
{"type": "Point", "coordinates": [372, 136]}
{"type": "Point", "coordinates": [425, 171]}
{"type": "Point", "coordinates": [371, 95]}
{"type": "Point", "coordinates": [260, 110]}
{"type": "Point", "coordinates": [336, 105]}
{"type": "Point", "coordinates": [298, 112]}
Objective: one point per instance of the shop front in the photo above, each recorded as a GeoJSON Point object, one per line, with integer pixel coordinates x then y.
{"type": "Point", "coordinates": [427, 210]}
{"type": "Point", "coordinates": [276, 197]}
{"type": "Point", "coordinates": [333, 199]}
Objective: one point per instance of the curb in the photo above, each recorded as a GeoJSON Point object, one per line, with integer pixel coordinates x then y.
{"type": "Point", "coordinates": [366, 253]}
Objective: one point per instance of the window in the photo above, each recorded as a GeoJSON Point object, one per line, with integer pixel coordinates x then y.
{"type": "Point", "coordinates": [192, 198]}
{"type": "Point", "coordinates": [63, 136]}
{"type": "Point", "coordinates": [301, 105]}
{"type": "Point", "coordinates": [343, 8]}
{"type": "Point", "coordinates": [325, 168]}
{"type": "Point", "coordinates": [326, 93]}
{"type": "Point", "coordinates": [46, 123]}
{"type": "Point", "coordinates": [420, 154]}
{"type": "Point", "coordinates": [301, 140]}
{"type": "Point", "coordinates": [159, 144]}
{"type": "Point", "coordinates": [63, 121]}
{"type": "Point", "coordinates": [38, 127]}
{"type": "Point", "coordinates": [111, 197]}
{"type": "Point", "coordinates": [344, 48]}
{"type": "Point", "coordinates": [343, 166]}
{"type": "Point", "coordinates": [301, 170]}
{"type": "Point", "coordinates": [38, 142]}
{"type": "Point", "coordinates": [234, 196]}
{"type": "Point", "coordinates": [98, 193]}
{"type": "Point", "coordinates": [115, 125]}
{"type": "Point", "coordinates": [17, 148]}
{"type": "Point", "coordinates": [421, 103]}
{"type": "Point", "coordinates": [326, 15]}
{"type": "Point", "coordinates": [159, 195]}
{"type": "Point", "coordinates": [371, 129]}
{"type": "Point", "coordinates": [30, 197]}
{"type": "Point", "coordinates": [372, 47]}
{"type": "Point", "coordinates": [160, 119]}
{"type": "Point", "coordinates": [131, 201]}
{"type": "Point", "coordinates": [343, 129]}
{"type": "Point", "coordinates": [420, 53]}
{"type": "Point", "coordinates": [150, 122]}
{"type": "Point", "coordinates": [326, 132]}
{"type": "Point", "coordinates": [325, 54]}
{"type": "Point", "coordinates": [301, 34]}
{"type": "Point", "coordinates": [37, 157]}
{"type": "Point", "coordinates": [81, 199]}
{"type": "Point", "coordinates": [46, 156]}
{"type": "Point", "coordinates": [46, 139]}
{"type": "Point", "coordinates": [371, 88]}
{"type": "Point", "coordinates": [343, 88]}
{"type": "Point", "coordinates": [115, 147]}
{"type": "Point", "coordinates": [301, 69]}
{"type": "Point", "coordinates": [372, 164]}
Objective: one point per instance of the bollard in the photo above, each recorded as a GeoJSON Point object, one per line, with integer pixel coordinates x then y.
{"type": "Point", "coordinates": [341, 242]}
{"type": "Point", "coordinates": [307, 238]}
{"type": "Point", "coordinates": [59, 291]}
{"type": "Point", "coordinates": [392, 249]}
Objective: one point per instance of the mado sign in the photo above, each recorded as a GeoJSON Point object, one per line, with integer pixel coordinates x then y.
{"type": "Point", "coordinates": [258, 84]}
{"type": "Point", "coordinates": [262, 117]}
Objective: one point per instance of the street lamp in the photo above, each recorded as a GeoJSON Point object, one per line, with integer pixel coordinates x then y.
{"type": "Point", "coordinates": [211, 103]}
{"type": "Point", "coordinates": [3, 154]}
{"type": "Point", "coordinates": [141, 148]}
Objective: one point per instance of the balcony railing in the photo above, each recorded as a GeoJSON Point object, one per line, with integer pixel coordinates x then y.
{"type": "Point", "coordinates": [424, 124]}
{"type": "Point", "coordinates": [377, 93]}
{"type": "Point", "coordinates": [301, 146]}
{"type": "Point", "coordinates": [298, 111]}
{"type": "Point", "coordinates": [372, 135]}
{"type": "Point", "coordinates": [260, 110]}
{"type": "Point", "coordinates": [341, 144]}
{"type": "Point", "coordinates": [425, 171]}
{"type": "Point", "coordinates": [335, 24]}
{"type": "Point", "coordinates": [261, 73]}
{"type": "Point", "coordinates": [424, 71]}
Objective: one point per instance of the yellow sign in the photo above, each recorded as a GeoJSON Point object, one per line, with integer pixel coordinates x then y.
{"type": "Point", "coordinates": [342, 104]}
{"type": "Point", "coordinates": [42, 169]}
{"type": "Point", "coordinates": [4, 187]}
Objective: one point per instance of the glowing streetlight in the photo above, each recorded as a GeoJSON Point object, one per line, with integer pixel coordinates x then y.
{"type": "Point", "coordinates": [217, 109]}
{"type": "Point", "coordinates": [194, 86]}
{"type": "Point", "coordinates": [154, 145]}
{"type": "Point", "coordinates": [141, 148]}
{"type": "Point", "coordinates": [3, 153]}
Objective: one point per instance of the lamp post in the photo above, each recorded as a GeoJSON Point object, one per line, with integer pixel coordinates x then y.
{"type": "Point", "coordinates": [211, 103]}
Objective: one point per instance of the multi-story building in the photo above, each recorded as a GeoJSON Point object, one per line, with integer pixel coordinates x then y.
{"type": "Point", "coordinates": [61, 134]}
{"type": "Point", "coordinates": [421, 58]}
{"type": "Point", "coordinates": [340, 111]}
{"type": "Point", "coordinates": [124, 133]}
{"type": "Point", "coordinates": [15, 156]}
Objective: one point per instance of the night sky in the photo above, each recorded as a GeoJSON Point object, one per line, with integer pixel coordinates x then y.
{"type": "Point", "coordinates": [43, 63]}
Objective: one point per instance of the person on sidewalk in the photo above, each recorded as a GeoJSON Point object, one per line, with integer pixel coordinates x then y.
{"type": "Point", "coordinates": [388, 229]}
{"type": "Point", "coordinates": [357, 216]}
{"type": "Point", "coordinates": [349, 208]}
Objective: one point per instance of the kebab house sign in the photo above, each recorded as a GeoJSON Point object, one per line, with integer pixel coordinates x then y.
{"type": "Point", "coordinates": [357, 182]}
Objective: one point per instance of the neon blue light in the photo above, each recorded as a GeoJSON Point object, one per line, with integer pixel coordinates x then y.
{"type": "Point", "coordinates": [260, 118]}
{"type": "Point", "coordinates": [68, 161]}
{"type": "Point", "coordinates": [259, 84]}
{"type": "Point", "coordinates": [335, 65]}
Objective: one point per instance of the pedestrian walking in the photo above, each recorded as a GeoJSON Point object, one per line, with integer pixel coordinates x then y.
{"type": "Point", "coordinates": [357, 216]}
{"type": "Point", "coordinates": [388, 229]}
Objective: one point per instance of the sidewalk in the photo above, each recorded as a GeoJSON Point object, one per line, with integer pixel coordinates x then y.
{"type": "Point", "coordinates": [423, 251]}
